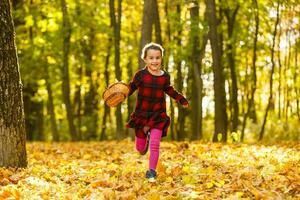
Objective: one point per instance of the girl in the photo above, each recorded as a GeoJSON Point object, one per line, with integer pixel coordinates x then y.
{"type": "Point", "coordinates": [149, 118]}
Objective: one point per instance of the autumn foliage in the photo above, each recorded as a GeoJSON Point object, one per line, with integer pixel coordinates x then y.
{"type": "Point", "coordinates": [187, 170]}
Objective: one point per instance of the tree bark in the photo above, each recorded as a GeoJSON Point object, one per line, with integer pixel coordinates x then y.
{"type": "Point", "coordinates": [77, 105]}
{"type": "Point", "coordinates": [179, 79]}
{"type": "Point", "coordinates": [287, 67]}
{"type": "Point", "coordinates": [90, 98]}
{"type": "Point", "coordinates": [219, 80]}
{"type": "Point", "coordinates": [106, 76]}
{"type": "Point", "coordinates": [148, 18]}
{"type": "Point", "coordinates": [231, 16]}
{"type": "Point", "coordinates": [196, 68]}
{"type": "Point", "coordinates": [66, 79]}
{"type": "Point", "coordinates": [54, 131]}
{"type": "Point", "coordinates": [116, 25]}
{"type": "Point", "coordinates": [251, 105]}
{"type": "Point", "coordinates": [166, 65]}
{"type": "Point", "coordinates": [158, 38]}
{"type": "Point", "coordinates": [270, 100]}
{"type": "Point", "coordinates": [12, 123]}
{"type": "Point", "coordinates": [280, 77]}
{"type": "Point", "coordinates": [296, 78]}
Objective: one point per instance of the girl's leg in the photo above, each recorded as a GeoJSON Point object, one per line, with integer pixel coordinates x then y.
{"type": "Point", "coordinates": [140, 143]}
{"type": "Point", "coordinates": [155, 137]}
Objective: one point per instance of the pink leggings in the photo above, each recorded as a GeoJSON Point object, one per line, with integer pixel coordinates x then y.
{"type": "Point", "coordinates": [140, 143]}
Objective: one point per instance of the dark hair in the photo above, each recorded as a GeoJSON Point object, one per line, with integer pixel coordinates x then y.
{"type": "Point", "coordinates": [153, 46]}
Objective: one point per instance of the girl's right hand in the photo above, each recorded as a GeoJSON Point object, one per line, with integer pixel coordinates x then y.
{"type": "Point", "coordinates": [146, 129]}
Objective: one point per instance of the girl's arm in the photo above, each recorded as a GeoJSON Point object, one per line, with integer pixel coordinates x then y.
{"type": "Point", "coordinates": [169, 89]}
{"type": "Point", "coordinates": [134, 84]}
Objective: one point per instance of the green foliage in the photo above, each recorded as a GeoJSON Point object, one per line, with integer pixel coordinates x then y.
{"type": "Point", "coordinates": [39, 40]}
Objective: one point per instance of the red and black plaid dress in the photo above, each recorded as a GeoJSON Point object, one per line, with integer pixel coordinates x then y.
{"type": "Point", "coordinates": [150, 107]}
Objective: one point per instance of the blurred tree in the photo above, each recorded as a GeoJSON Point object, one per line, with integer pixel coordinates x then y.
{"type": "Point", "coordinates": [66, 28]}
{"type": "Point", "coordinates": [150, 18]}
{"type": "Point", "coordinates": [116, 25]}
{"type": "Point", "coordinates": [12, 124]}
{"type": "Point", "coordinates": [271, 100]}
{"type": "Point", "coordinates": [251, 105]}
{"type": "Point", "coordinates": [219, 80]}
{"type": "Point", "coordinates": [230, 51]}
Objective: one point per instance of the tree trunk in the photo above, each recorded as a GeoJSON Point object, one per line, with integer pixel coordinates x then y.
{"type": "Point", "coordinates": [166, 65]}
{"type": "Point", "coordinates": [116, 24]}
{"type": "Point", "coordinates": [197, 55]}
{"type": "Point", "coordinates": [66, 80]}
{"type": "Point", "coordinates": [158, 38]}
{"type": "Point", "coordinates": [251, 105]}
{"type": "Point", "coordinates": [261, 133]}
{"type": "Point", "coordinates": [287, 67]}
{"type": "Point", "coordinates": [219, 80]}
{"type": "Point", "coordinates": [231, 16]}
{"type": "Point", "coordinates": [54, 131]}
{"type": "Point", "coordinates": [77, 105]}
{"type": "Point", "coordinates": [296, 78]}
{"type": "Point", "coordinates": [280, 78]}
{"type": "Point", "coordinates": [12, 123]}
{"type": "Point", "coordinates": [177, 60]}
{"type": "Point", "coordinates": [148, 18]}
{"type": "Point", "coordinates": [90, 98]}
{"type": "Point", "coordinates": [130, 103]}
{"type": "Point", "coordinates": [106, 76]}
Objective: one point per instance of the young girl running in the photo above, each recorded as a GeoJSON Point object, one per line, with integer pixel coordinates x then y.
{"type": "Point", "coordinates": [149, 118]}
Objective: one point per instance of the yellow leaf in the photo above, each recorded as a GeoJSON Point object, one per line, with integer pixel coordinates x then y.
{"type": "Point", "coordinates": [219, 183]}
{"type": "Point", "coordinates": [188, 179]}
{"type": "Point", "coordinates": [210, 185]}
{"type": "Point", "coordinates": [154, 196]}
{"type": "Point", "coordinates": [87, 156]}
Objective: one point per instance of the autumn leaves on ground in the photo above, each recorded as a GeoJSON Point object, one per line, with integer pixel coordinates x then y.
{"type": "Point", "coordinates": [113, 170]}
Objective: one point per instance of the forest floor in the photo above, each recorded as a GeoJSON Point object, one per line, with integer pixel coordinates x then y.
{"type": "Point", "coordinates": [187, 170]}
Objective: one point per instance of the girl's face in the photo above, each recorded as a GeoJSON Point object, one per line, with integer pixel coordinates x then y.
{"type": "Point", "coordinates": [153, 60]}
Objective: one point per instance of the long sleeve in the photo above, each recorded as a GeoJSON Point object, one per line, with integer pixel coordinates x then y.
{"type": "Point", "coordinates": [134, 83]}
{"type": "Point", "coordinates": [169, 89]}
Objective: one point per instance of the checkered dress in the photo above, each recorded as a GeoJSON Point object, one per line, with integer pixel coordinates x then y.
{"type": "Point", "coordinates": [150, 107]}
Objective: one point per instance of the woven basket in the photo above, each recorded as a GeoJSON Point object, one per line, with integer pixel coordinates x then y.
{"type": "Point", "coordinates": [115, 94]}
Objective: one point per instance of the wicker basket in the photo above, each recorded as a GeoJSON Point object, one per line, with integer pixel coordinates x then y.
{"type": "Point", "coordinates": [115, 94]}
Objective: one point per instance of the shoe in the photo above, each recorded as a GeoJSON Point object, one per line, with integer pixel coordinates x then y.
{"type": "Point", "coordinates": [151, 174]}
{"type": "Point", "coordinates": [147, 144]}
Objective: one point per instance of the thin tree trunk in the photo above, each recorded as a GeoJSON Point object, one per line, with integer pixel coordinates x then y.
{"type": "Point", "coordinates": [148, 18]}
{"type": "Point", "coordinates": [12, 121]}
{"type": "Point", "coordinates": [251, 105]}
{"type": "Point", "coordinates": [66, 79]}
{"type": "Point", "coordinates": [219, 80]}
{"type": "Point", "coordinates": [129, 100]}
{"type": "Point", "coordinates": [261, 133]}
{"type": "Point", "coordinates": [287, 67]}
{"type": "Point", "coordinates": [297, 88]}
{"type": "Point", "coordinates": [177, 60]}
{"type": "Point", "coordinates": [158, 37]}
{"type": "Point", "coordinates": [196, 68]}
{"type": "Point", "coordinates": [54, 131]}
{"type": "Point", "coordinates": [90, 102]}
{"type": "Point", "coordinates": [116, 24]}
{"type": "Point", "coordinates": [166, 65]}
{"type": "Point", "coordinates": [231, 16]}
{"type": "Point", "coordinates": [106, 108]}
{"type": "Point", "coordinates": [78, 103]}
{"type": "Point", "coordinates": [279, 72]}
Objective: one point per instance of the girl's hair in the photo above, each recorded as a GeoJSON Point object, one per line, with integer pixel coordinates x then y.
{"type": "Point", "coordinates": [154, 46]}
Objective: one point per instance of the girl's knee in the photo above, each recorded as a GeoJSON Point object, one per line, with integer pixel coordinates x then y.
{"type": "Point", "coordinates": [140, 143]}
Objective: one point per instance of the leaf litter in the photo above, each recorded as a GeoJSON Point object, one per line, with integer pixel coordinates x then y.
{"type": "Point", "coordinates": [186, 170]}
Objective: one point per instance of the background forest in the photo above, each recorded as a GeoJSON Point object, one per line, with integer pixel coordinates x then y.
{"type": "Point", "coordinates": [236, 61]}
